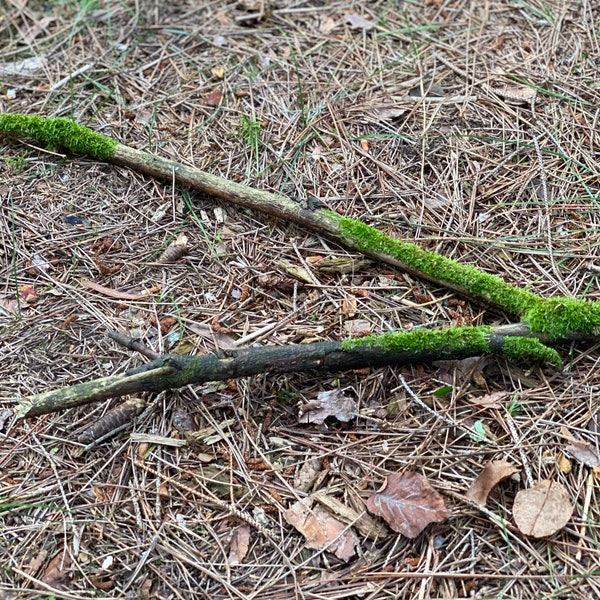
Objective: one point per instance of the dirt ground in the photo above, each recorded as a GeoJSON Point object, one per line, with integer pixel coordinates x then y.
{"type": "Point", "coordinates": [467, 127]}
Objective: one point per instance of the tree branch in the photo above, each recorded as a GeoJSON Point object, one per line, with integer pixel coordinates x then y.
{"type": "Point", "coordinates": [174, 371]}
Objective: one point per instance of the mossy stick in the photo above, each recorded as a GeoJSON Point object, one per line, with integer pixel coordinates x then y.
{"type": "Point", "coordinates": [175, 371]}
{"type": "Point", "coordinates": [556, 317]}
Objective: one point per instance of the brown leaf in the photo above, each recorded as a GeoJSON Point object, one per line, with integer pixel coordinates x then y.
{"type": "Point", "coordinates": [214, 98]}
{"type": "Point", "coordinates": [364, 523]}
{"type": "Point", "coordinates": [493, 400]}
{"type": "Point", "coordinates": [358, 327]}
{"type": "Point", "coordinates": [349, 306]}
{"type": "Point", "coordinates": [56, 573]}
{"type": "Point", "coordinates": [583, 452]}
{"type": "Point", "coordinates": [320, 529]}
{"type": "Point", "coordinates": [408, 504]}
{"type": "Point", "coordinates": [329, 404]}
{"type": "Point", "coordinates": [117, 294]}
{"type": "Point", "coordinates": [491, 475]}
{"type": "Point", "coordinates": [240, 542]}
{"type": "Point", "coordinates": [543, 509]}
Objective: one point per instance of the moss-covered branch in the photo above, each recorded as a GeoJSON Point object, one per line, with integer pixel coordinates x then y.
{"type": "Point", "coordinates": [174, 371]}
{"type": "Point", "coordinates": [557, 318]}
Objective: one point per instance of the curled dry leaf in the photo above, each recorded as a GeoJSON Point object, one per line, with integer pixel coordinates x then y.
{"type": "Point", "coordinates": [329, 404]}
{"type": "Point", "coordinates": [320, 529]}
{"type": "Point", "coordinates": [583, 452]}
{"type": "Point", "coordinates": [491, 475]}
{"type": "Point", "coordinates": [408, 504]}
{"type": "Point", "coordinates": [240, 542]}
{"type": "Point", "coordinates": [543, 509]}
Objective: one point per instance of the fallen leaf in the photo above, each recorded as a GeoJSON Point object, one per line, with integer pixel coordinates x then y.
{"type": "Point", "coordinates": [214, 98]}
{"type": "Point", "coordinates": [28, 294]}
{"type": "Point", "coordinates": [117, 294]}
{"type": "Point", "coordinates": [583, 452]}
{"type": "Point", "coordinates": [334, 403]}
{"type": "Point", "coordinates": [543, 509]}
{"type": "Point", "coordinates": [240, 542]}
{"type": "Point", "coordinates": [308, 474]}
{"type": "Point", "coordinates": [320, 529]}
{"type": "Point", "coordinates": [297, 271]}
{"type": "Point", "coordinates": [357, 22]}
{"type": "Point", "coordinates": [358, 327]}
{"type": "Point", "coordinates": [56, 573]}
{"type": "Point", "coordinates": [564, 464]}
{"type": "Point", "coordinates": [364, 523]}
{"type": "Point", "coordinates": [408, 504]}
{"type": "Point", "coordinates": [491, 475]}
{"type": "Point", "coordinates": [218, 72]}
{"type": "Point", "coordinates": [493, 400]}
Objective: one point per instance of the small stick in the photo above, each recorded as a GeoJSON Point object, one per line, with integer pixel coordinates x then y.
{"type": "Point", "coordinates": [132, 344]}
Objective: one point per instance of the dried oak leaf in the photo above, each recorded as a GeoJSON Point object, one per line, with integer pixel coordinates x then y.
{"type": "Point", "coordinates": [543, 509]}
{"type": "Point", "coordinates": [320, 529]}
{"type": "Point", "coordinates": [329, 404]}
{"type": "Point", "coordinates": [408, 504]}
{"type": "Point", "coordinates": [491, 475]}
{"type": "Point", "coordinates": [240, 542]}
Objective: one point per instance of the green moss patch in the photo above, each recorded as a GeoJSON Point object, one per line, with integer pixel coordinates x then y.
{"type": "Point", "coordinates": [454, 341]}
{"type": "Point", "coordinates": [59, 132]}
{"type": "Point", "coordinates": [554, 317]}
{"type": "Point", "coordinates": [557, 316]}
{"type": "Point", "coordinates": [450, 340]}
{"type": "Point", "coordinates": [483, 285]}
{"type": "Point", "coordinates": [523, 348]}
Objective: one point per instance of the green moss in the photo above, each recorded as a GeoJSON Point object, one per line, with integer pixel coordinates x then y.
{"type": "Point", "coordinates": [524, 348]}
{"type": "Point", "coordinates": [59, 132]}
{"type": "Point", "coordinates": [450, 340]}
{"type": "Point", "coordinates": [454, 341]}
{"type": "Point", "coordinates": [483, 285]}
{"type": "Point", "coordinates": [557, 316]}
{"type": "Point", "coordinates": [554, 317]}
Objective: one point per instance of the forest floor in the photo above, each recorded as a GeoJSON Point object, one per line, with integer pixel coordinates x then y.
{"type": "Point", "coordinates": [469, 128]}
